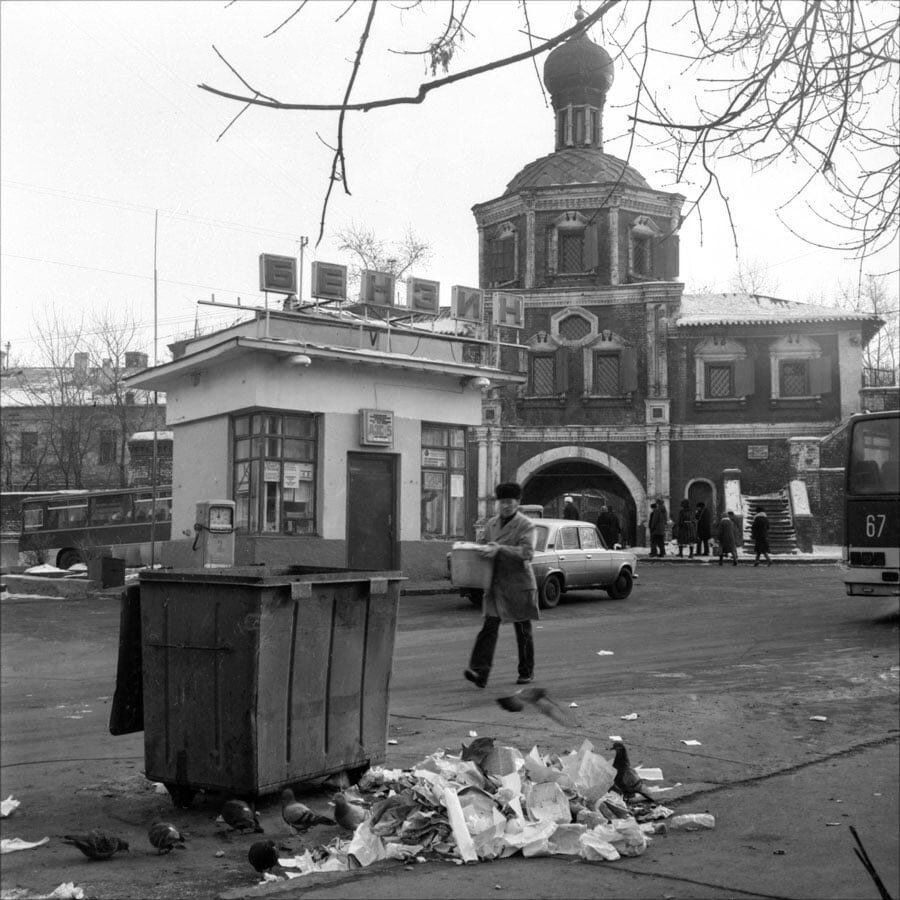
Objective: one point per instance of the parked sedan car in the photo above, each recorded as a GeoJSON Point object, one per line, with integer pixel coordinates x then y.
{"type": "Point", "coordinates": [570, 555]}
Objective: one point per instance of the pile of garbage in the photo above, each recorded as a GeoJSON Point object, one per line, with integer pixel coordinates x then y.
{"type": "Point", "coordinates": [490, 802]}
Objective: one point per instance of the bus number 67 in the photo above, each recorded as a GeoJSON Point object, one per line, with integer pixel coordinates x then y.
{"type": "Point", "coordinates": [875, 525]}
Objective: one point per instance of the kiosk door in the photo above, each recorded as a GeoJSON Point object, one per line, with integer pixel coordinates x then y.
{"type": "Point", "coordinates": [372, 525]}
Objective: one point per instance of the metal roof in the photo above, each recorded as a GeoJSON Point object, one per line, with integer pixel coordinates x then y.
{"type": "Point", "coordinates": [698, 310]}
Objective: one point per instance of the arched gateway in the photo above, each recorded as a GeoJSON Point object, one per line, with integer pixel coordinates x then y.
{"type": "Point", "coordinates": [592, 476]}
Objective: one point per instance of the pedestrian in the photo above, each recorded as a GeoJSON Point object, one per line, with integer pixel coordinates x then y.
{"type": "Point", "coordinates": [512, 594]}
{"type": "Point", "coordinates": [703, 518]}
{"type": "Point", "coordinates": [726, 535]}
{"type": "Point", "coordinates": [570, 510]}
{"type": "Point", "coordinates": [659, 519]}
{"type": "Point", "coordinates": [686, 529]}
{"type": "Point", "coordinates": [759, 531]}
{"type": "Point", "coordinates": [608, 526]}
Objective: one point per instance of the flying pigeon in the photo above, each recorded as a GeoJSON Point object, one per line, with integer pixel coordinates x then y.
{"type": "Point", "coordinates": [96, 844]}
{"type": "Point", "coordinates": [299, 816]}
{"type": "Point", "coordinates": [540, 700]}
{"type": "Point", "coordinates": [240, 817]}
{"type": "Point", "coordinates": [263, 855]}
{"type": "Point", "coordinates": [165, 836]}
{"type": "Point", "coordinates": [348, 815]}
{"type": "Point", "coordinates": [627, 782]}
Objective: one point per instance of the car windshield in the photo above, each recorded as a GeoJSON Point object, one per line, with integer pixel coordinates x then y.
{"type": "Point", "coordinates": [540, 537]}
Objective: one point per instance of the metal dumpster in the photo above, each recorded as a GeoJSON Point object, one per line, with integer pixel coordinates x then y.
{"type": "Point", "coordinates": [255, 678]}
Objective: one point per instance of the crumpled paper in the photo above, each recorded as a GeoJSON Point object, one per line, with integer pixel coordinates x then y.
{"type": "Point", "coordinates": [10, 845]}
{"type": "Point", "coordinates": [495, 804]}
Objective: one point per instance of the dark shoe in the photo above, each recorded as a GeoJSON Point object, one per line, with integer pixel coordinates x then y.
{"type": "Point", "coordinates": [734, 563]}
{"type": "Point", "coordinates": [755, 564]}
{"type": "Point", "coordinates": [524, 679]}
{"type": "Point", "coordinates": [475, 678]}
{"type": "Point", "coordinates": [720, 562]}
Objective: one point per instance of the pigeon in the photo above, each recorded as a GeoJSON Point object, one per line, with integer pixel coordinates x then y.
{"type": "Point", "coordinates": [540, 700]}
{"type": "Point", "coordinates": [627, 782]}
{"type": "Point", "coordinates": [240, 817]}
{"type": "Point", "coordinates": [96, 844]}
{"type": "Point", "coordinates": [263, 855]}
{"type": "Point", "coordinates": [165, 836]}
{"type": "Point", "coordinates": [478, 751]}
{"type": "Point", "coordinates": [299, 816]}
{"type": "Point", "coordinates": [348, 815]}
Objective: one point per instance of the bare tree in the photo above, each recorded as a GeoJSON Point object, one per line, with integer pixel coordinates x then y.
{"type": "Point", "coordinates": [882, 354]}
{"type": "Point", "coordinates": [753, 276]}
{"type": "Point", "coordinates": [810, 82]}
{"type": "Point", "coordinates": [372, 252]}
{"type": "Point", "coordinates": [75, 392]}
{"type": "Point", "coordinates": [114, 338]}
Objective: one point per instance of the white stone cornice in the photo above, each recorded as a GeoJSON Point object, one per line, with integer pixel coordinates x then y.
{"type": "Point", "coordinates": [590, 434]}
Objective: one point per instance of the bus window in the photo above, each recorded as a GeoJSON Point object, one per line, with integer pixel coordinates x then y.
{"type": "Point", "coordinates": [32, 517]}
{"type": "Point", "coordinates": [110, 510]}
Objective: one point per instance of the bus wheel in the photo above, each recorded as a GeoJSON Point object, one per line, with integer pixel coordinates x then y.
{"type": "Point", "coordinates": [67, 558]}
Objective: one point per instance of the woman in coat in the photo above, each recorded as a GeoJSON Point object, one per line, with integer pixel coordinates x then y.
{"type": "Point", "coordinates": [686, 529]}
{"type": "Point", "coordinates": [703, 518]}
{"type": "Point", "coordinates": [726, 535]}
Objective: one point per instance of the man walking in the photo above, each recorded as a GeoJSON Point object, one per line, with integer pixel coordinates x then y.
{"type": "Point", "coordinates": [512, 595]}
{"type": "Point", "coordinates": [759, 531]}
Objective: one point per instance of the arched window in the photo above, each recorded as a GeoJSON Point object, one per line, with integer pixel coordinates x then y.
{"type": "Point", "coordinates": [642, 237]}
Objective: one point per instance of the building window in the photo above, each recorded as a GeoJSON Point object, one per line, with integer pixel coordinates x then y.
{"type": "Point", "coordinates": [275, 473]}
{"type": "Point", "coordinates": [107, 447]}
{"type": "Point", "coordinates": [723, 370]}
{"type": "Point", "coordinates": [571, 247]}
{"type": "Point", "coordinates": [28, 447]}
{"type": "Point", "coordinates": [719, 381]}
{"type": "Point", "coordinates": [503, 262]}
{"type": "Point", "coordinates": [799, 369]}
{"type": "Point", "coordinates": [641, 255]}
{"type": "Point", "coordinates": [606, 374]}
{"type": "Point", "coordinates": [443, 481]}
{"type": "Point", "coordinates": [794, 381]}
{"type": "Point", "coordinates": [542, 374]}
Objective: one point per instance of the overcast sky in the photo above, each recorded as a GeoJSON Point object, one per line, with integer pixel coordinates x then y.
{"type": "Point", "coordinates": [102, 124]}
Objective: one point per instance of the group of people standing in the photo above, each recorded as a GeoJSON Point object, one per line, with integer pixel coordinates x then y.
{"type": "Point", "coordinates": [693, 529]}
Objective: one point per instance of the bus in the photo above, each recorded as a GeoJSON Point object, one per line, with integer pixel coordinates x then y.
{"type": "Point", "coordinates": [67, 527]}
{"type": "Point", "coordinates": [871, 553]}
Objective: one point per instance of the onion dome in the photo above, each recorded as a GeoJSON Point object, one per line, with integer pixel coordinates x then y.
{"type": "Point", "coordinates": [578, 72]}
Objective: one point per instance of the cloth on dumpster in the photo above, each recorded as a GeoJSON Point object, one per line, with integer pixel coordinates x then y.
{"type": "Point", "coordinates": [489, 804]}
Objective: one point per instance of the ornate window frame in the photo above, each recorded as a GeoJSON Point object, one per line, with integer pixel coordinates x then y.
{"type": "Point", "coordinates": [712, 351]}
{"type": "Point", "coordinates": [570, 221]}
{"type": "Point", "coordinates": [791, 348]}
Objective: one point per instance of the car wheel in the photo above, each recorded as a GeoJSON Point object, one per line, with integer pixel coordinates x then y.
{"type": "Point", "coordinates": [622, 586]}
{"type": "Point", "coordinates": [67, 558]}
{"type": "Point", "coordinates": [551, 592]}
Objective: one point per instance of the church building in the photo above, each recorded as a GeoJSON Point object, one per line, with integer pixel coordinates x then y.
{"type": "Point", "coordinates": [633, 391]}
